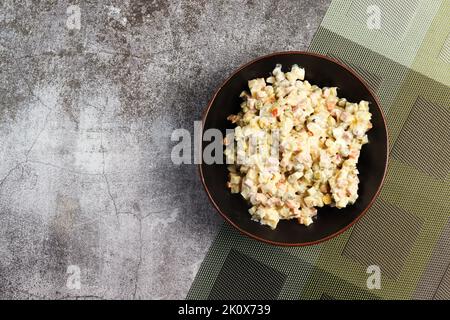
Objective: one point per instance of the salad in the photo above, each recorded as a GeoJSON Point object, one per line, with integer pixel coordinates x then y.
{"type": "Point", "coordinates": [295, 147]}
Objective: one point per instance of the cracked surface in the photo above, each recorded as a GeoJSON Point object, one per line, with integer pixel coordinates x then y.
{"type": "Point", "coordinates": [85, 123]}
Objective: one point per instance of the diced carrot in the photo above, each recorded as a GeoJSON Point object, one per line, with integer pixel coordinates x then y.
{"type": "Point", "coordinates": [275, 112]}
{"type": "Point", "coordinates": [279, 184]}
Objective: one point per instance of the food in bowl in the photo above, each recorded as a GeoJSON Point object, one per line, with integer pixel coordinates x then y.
{"type": "Point", "coordinates": [297, 147]}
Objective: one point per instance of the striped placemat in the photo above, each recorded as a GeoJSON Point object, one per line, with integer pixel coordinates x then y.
{"type": "Point", "coordinates": [402, 49]}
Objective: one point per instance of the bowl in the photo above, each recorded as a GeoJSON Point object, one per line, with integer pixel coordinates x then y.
{"type": "Point", "coordinates": [330, 222]}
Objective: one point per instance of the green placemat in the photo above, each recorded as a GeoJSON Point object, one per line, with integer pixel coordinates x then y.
{"type": "Point", "coordinates": [407, 231]}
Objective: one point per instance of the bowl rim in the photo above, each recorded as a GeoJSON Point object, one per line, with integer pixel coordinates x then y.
{"type": "Point", "coordinates": [376, 194]}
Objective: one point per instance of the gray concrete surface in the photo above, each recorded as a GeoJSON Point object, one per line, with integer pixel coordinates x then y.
{"type": "Point", "coordinates": [85, 122]}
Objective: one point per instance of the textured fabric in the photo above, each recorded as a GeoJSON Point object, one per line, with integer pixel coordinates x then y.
{"type": "Point", "coordinates": [242, 277]}
{"type": "Point", "coordinates": [431, 280]}
{"type": "Point", "coordinates": [406, 233]}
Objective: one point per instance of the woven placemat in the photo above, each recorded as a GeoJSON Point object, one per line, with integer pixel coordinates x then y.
{"type": "Point", "coordinates": [406, 61]}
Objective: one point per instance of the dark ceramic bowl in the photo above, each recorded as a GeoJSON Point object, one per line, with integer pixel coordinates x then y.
{"type": "Point", "coordinates": [322, 71]}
